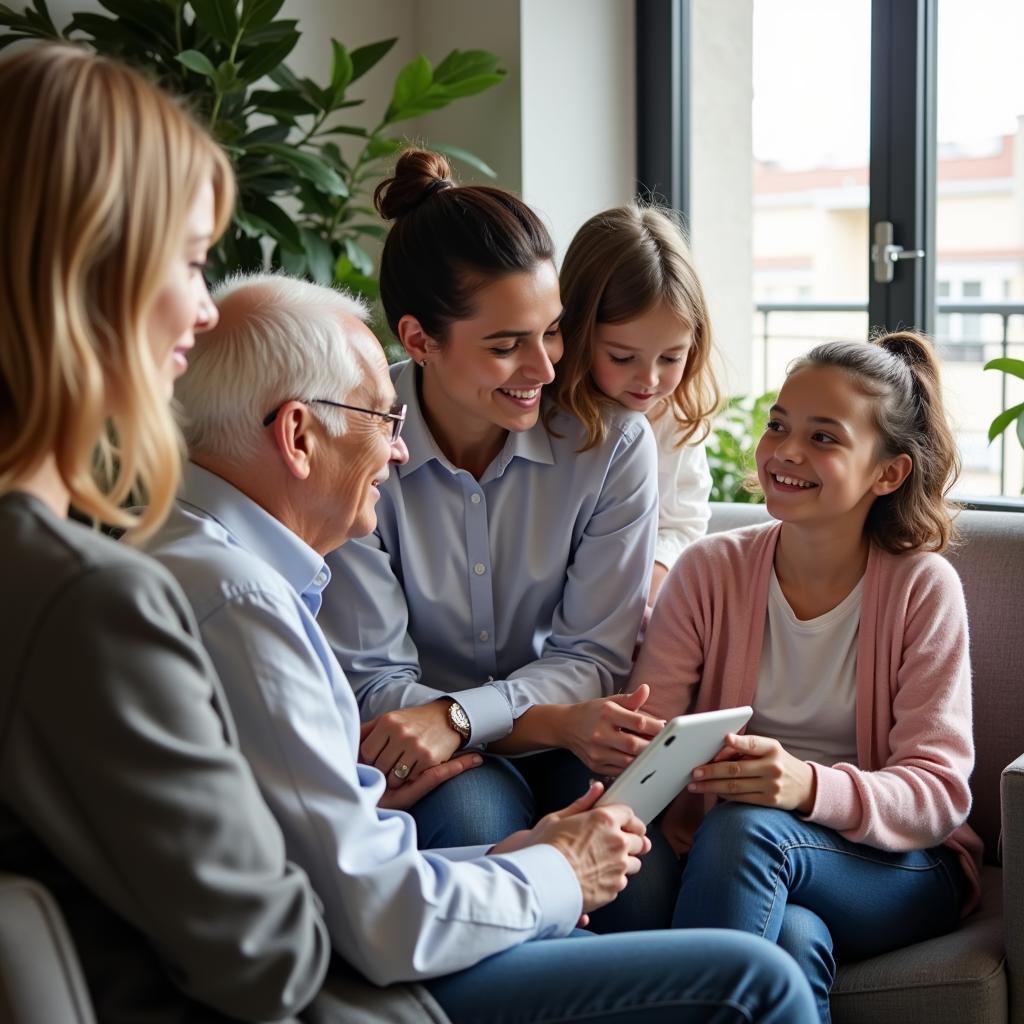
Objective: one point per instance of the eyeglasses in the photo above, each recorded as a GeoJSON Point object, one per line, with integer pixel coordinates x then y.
{"type": "Point", "coordinates": [396, 414]}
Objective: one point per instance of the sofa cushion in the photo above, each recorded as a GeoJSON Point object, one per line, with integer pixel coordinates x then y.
{"type": "Point", "coordinates": [40, 978]}
{"type": "Point", "coordinates": [959, 978]}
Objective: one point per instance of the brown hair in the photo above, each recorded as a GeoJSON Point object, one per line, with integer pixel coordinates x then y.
{"type": "Point", "coordinates": [901, 372]}
{"type": "Point", "coordinates": [622, 263]}
{"type": "Point", "coordinates": [448, 241]}
{"type": "Point", "coordinates": [98, 173]}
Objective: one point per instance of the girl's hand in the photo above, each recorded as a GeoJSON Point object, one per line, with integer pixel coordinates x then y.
{"type": "Point", "coordinates": [607, 733]}
{"type": "Point", "coordinates": [757, 770]}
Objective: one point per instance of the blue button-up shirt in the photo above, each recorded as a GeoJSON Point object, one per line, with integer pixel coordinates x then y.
{"type": "Point", "coordinates": [524, 587]}
{"type": "Point", "coordinates": [393, 912]}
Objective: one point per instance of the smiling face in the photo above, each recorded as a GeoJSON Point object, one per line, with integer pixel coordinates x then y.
{"type": "Point", "coordinates": [486, 377]}
{"type": "Point", "coordinates": [642, 360]}
{"type": "Point", "coordinates": [360, 457]}
{"type": "Point", "coordinates": [818, 460]}
{"type": "Point", "coordinates": [183, 306]}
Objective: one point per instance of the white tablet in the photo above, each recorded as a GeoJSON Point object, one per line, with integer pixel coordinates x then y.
{"type": "Point", "coordinates": [664, 768]}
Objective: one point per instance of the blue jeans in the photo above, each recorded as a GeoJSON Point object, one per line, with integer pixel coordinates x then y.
{"type": "Point", "coordinates": [819, 896]}
{"type": "Point", "coordinates": [710, 977]}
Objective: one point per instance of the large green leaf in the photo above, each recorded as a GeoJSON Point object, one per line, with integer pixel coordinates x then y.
{"type": "Point", "coordinates": [309, 166]}
{"type": "Point", "coordinates": [216, 17]}
{"type": "Point", "coordinates": [257, 13]}
{"type": "Point", "coordinates": [198, 62]}
{"type": "Point", "coordinates": [270, 219]}
{"type": "Point", "coordinates": [268, 34]}
{"type": "Point", "coordinates": [266, 133]}
{"type": "Point", "coordinates": [318, 256]}
{"type": "Point", "coordinates": [359, 257]}
{"type": "Point", "coordinates": [1004, 419]}
{"type": "Point", "coordinates": [462, 64]}
{"type": "Point", "coordinates": [364, 57]}
{"type": "Point", "coordinates": [1014, 367]}
{"type": "Point", "coordinates": [263, 59]}
{"type": "Point", "coordinates": [412, 82]}
{"type": "Point", "coordinates": [472, 86]}
{"type": "Point", "coordinates": [341, 72]}
{"type": "Point", "coordinates": [379, 146]}
{"type": "Point", "coordinates": [466, 157]}
{"type": "Point", "coordinates": [280, 103]}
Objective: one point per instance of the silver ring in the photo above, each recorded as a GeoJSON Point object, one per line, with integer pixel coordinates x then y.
{"type": "Point", "coordinates": [401, 771]}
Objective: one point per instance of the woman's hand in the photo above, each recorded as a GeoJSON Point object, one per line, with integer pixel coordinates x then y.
{"type": "Point", "coordinates": [607, 733]}
{"type": "Point", "coordinates": [757, 770]}
{"type": "Point", "coordinates": [403, 744]}
{"type": "Point", "coordinates": [404, 797]}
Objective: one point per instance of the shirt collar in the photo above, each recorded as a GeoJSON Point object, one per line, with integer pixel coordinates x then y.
{"type": "Point", "coordinates": [533, 445]}
{"type": "Point", "coordinates": [256, 530]}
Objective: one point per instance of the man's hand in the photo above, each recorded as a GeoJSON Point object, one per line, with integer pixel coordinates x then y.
{"type": "Point", "coordinates": [410, 740]}
{"type": "Point", "coordinates": [607, 733]}
{"type": "Point", "coordinates": [403, 798]}
{"type": "Point", "coordinates": [602, 845]}
{"type": "Point", "coordinates": [757, 770]}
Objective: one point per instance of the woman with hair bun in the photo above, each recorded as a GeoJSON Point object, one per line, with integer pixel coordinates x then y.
{"type": "Point", "coordinates": [498, 602]}
{"type": "Point", "coordinates": [841, 828]}
{"type": "Point", "coordinates": [122, 789]}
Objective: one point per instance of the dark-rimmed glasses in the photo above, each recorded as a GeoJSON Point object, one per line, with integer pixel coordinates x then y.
{"type": "Point", "coordinates": [396, 414]}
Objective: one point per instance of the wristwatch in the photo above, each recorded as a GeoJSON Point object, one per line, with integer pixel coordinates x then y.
{"type": "Point", "coordinates": [459, 721]}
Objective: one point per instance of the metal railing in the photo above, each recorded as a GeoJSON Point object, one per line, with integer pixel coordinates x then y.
{"type": "Point", "coordinates": [1006, 311]}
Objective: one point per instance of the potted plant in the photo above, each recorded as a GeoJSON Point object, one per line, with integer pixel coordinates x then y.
{"type": "Point", "coordinates": [1014, 367]}
{"type": "Point", "coordinates": [303, 199]}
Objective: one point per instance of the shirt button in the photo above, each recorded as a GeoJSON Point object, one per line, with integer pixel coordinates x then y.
{"type": "Point", "coordinates": [479, 568]}
{"type": "Point", "coordinates": [475, 498]}
{"type": "Point", "coordinates": [484, 636]}
{"type": "Point", "coordinates": [320, 579]}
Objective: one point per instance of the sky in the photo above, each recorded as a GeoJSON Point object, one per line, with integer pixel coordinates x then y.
{"type": "Point", "coordinates": [811, 65]}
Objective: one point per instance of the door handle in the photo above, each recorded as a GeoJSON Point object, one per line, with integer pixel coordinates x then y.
{"type": "Point", "coordinates": [884, 253]}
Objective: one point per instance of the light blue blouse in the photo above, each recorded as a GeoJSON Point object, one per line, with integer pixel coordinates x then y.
{"type": "Point", "coordinates": [525, 587]}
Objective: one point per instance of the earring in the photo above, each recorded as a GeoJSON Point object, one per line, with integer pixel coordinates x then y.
{"type": "Point", "coordinates": [423, 362]}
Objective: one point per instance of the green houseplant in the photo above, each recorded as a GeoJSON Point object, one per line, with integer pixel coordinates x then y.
{"type": "Point", "coordinates": [304, 178]}
{"type": "Point", "coordinates": [731, 444]}
{"type": "Point", "coordinates": [1014, 367]}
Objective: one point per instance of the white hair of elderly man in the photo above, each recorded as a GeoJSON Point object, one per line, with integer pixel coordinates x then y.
{"type": "Point", "coordinates": [279, 338]}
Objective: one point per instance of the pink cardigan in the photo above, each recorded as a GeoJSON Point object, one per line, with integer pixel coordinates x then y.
{"type": "Point", "coordinates": [915, 750]}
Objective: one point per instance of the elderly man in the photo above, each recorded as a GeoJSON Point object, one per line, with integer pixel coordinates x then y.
{"type": "Point", "coordinates": [291, 423]}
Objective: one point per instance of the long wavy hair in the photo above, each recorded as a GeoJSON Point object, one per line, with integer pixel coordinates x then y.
{"type": "Point", "coordinates": [98, 173]}
{"type": "Point", "coordinates": [621, 264]}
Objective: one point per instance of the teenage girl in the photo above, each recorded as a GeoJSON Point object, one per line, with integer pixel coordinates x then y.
{"type": "Point", "coordinates": [637, 333]}
{"type": "Point", "coordinates": [840, 831]}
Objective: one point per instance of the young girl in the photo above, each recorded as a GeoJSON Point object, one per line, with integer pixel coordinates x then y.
{"type": "Point", "coordinates": [636, 332]}
{"type": "Point", "coordinates": [841, 829]}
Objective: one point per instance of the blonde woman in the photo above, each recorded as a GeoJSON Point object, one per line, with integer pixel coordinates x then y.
{"type": "Point", "coordinates": [121, 787]}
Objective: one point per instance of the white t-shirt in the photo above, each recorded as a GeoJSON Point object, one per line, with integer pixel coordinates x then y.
{"type": "Point", "coordinates": [807, 685]}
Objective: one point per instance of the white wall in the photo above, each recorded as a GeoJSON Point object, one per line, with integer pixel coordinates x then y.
{"type": "Point", "coordinates": [579, 109]}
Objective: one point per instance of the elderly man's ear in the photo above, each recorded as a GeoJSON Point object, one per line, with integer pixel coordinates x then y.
{"type": "Point", "coordinates": [295, 436]}
{"type": "Point", "coordinates": [415, 340]}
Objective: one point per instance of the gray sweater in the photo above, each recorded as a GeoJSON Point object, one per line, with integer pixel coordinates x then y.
{"type": "Point", "coordinates": [121, 788]}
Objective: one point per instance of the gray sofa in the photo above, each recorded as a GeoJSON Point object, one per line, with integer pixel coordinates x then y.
{"type": "Point", "coordinates": [974, 975]}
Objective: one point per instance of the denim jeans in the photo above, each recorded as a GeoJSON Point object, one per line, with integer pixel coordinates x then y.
{"type": "Point", "coordinates": [819, 896]}
{"type": "Point", "coordinates": [707, 977]}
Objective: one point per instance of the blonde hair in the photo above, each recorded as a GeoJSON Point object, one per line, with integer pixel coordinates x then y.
{"type": "Point", "coordinates": [98, 173]}
{"type": "Point", "coordinates": [621, 264]}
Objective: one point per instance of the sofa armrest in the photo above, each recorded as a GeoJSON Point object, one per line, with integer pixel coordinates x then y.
{"type": "Point", "coordinates": [1012, 843]}
{"type": "Point", "coordinates": [40, 978]}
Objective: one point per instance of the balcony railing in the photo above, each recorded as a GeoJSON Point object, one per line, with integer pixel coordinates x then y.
{"type": "Point", "coordinates": [969, 333]}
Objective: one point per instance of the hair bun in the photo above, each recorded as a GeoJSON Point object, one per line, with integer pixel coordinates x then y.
{"type": "Point", "coordinates": [419, 174]}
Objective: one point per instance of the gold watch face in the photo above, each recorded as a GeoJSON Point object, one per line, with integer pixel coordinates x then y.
{"type": "Point", "coordinates": [459, 719]}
